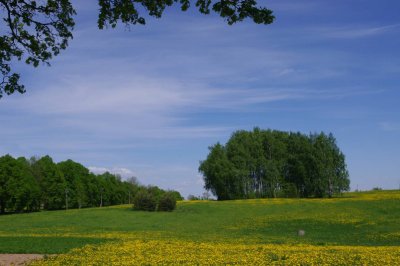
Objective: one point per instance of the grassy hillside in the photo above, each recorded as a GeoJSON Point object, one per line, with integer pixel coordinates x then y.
{"type": "Point", "coordinates": [357, 220]}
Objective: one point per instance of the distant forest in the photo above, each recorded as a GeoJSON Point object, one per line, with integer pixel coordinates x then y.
{"type": "Point", "coordinates": [39, 183]}
{"type": "Point", "coordinates": [270, 163]}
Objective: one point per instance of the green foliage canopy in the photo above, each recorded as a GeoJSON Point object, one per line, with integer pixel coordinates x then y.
{"type": "Point", "coordinates": [270, 163]}
{"type": "Point", "coordinates": [39, 183]}
{"type": "Point", "coordinates": [18, 188]}
{"type": "Point", "coordinates": [52, 183]}
{"type": "Point", "coordinates": [39, 30]}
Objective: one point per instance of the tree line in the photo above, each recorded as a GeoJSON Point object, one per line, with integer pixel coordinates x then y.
{"type": "Point", "coordinates": [271, 163]}
{"type": "Point", "coordinates": [40, 184]}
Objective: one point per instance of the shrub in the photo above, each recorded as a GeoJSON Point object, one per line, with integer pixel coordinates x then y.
{"type": "Point", "coordinates": [176, 194]}
{"type": "Point", "coordinates": [144, 201]}
{"type": "Point", "coordinates": [167, 202]}
{"type": "Point", "coordinates": [193, 197]}
{"type": "Point", "coordinates": [288, 190]}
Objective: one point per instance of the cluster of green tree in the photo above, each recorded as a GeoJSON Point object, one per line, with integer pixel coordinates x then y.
{"type": "Point", "coordinates": [206, 196]}
{"type": "Point", "coordinates": [270, 163]}
{"type": "Point", "coordinates": [35, 184]}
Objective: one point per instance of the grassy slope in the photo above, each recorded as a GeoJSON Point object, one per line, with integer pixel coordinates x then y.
{"type": "Point", "coordinates": [370, 219]}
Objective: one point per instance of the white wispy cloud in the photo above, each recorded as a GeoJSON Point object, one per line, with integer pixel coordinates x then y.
{"type": "Point", "coordinates": [123, 172]}
{"type": "Point", "coordinates": [389, 126]}
{"type": "Point", "coordinates": [356, 32]}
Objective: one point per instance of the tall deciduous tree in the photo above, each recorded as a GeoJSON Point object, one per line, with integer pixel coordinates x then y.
{"type": "Point", "coordinates": [75, 174]}
{"type": "Point", "coordinates": [25, 190]}
{"type": "Point", "coordinates": [52, 183]}
{"type": "Point", "coordinates": [219, 174]}
{"type": "Point", "coordinates": [39, 30]}
{"type": "Point", "coordinates": [266, 163]}
{"type": "Point", "coordinates": [6, 176]}
{"type": "Point", "coordinates": [18, 188]}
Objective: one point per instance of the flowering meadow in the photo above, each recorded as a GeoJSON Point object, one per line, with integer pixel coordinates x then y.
{"type": "Point", "coordinates": [160, 252]}
{"type": "Point", "coordinates": [355, 229]}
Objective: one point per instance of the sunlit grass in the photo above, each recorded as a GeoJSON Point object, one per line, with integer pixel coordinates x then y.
{"type": "Point", "coordinates": [356, 229]}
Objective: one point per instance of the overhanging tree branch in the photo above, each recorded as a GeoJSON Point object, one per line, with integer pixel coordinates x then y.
{"type": "Point", "coordinates": [37, 31]}
{"type": "Point", "coordinates": [40, 29]}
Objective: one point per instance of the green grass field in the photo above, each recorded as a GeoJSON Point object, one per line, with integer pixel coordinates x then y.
{"type": "Point", "coordinates": [367, 219]}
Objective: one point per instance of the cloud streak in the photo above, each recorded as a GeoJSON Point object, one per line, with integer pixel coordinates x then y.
{"type": "Point", "coordinates": [356, 32]}
{"type": "Point", "coordinates": [389, 126]}
{"type": "Point", "coordinates": [123, 172]}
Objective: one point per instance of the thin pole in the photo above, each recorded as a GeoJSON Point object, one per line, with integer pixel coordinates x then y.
{"type": "Point", "coordinates": [101, 197]}
{"type": "Point", "coordinates": [66, 199]}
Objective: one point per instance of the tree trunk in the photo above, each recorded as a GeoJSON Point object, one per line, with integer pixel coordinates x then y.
{"type": "Point", "coordinates": [2, 207]}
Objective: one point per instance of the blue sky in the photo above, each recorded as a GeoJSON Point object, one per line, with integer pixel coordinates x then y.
{"type": "Point", "coordinates": [149, 100]}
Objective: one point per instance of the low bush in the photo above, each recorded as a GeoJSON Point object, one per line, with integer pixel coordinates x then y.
{"type": "Point", "coordinates": [167, 202]}
{"type": "Point", "coordinates": [144, 201]}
